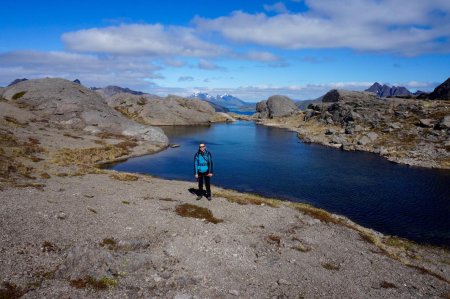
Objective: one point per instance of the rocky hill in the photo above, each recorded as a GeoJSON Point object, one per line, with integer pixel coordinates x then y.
{"type": "Point", "coordinates": [408, 131]}
{"type": "Point", "coordinates": [171, 110]}
{"type": "Point", "coordinates": [40, 120]}
{"type": "Point", "coordinates": [111, 90]}
{"type": "Point", "coordinates": [441, 92]}
{"type": "Point", "coordinates": [384, 91]}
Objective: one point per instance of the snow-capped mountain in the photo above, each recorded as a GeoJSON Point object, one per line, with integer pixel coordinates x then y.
{"type": "Point", "coordinates": [225, 100]}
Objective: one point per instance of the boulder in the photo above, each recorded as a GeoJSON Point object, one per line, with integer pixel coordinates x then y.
{"type": "Point", "coordinates": [444, 123]}
{"type": "Point", "coordinates": [276, 106]}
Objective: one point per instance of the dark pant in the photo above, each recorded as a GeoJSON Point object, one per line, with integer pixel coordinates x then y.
{"type": "Point", "coordinates": [205, 176]}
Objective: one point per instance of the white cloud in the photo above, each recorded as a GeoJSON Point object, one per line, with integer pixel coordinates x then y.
{"type": "Point", "coordinates": [141, 39]}
{"type": "Point", "coordinates": [400, 26]}
{"type": "Point", "coordinates": [90, 69]}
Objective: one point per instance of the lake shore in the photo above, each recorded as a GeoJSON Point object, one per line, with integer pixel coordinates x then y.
{"type": "Point", "coordinates": [88, 232]}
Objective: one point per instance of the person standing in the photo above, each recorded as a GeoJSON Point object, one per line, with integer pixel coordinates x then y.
{"type": "Point", "coordinates": [203, 170]}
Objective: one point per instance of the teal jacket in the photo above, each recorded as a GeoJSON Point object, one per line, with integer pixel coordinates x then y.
{"type": "Point", "coordinates": [203, 162]}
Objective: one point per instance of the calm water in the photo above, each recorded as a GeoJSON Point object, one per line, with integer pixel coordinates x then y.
{"type": "Point", "coordinates": [399, 200]}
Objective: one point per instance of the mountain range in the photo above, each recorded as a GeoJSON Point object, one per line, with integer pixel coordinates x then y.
{"type": "Point", "coordinates": [384, 91]}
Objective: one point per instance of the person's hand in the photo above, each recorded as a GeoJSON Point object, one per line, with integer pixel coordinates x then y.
{"type": "Point", "coordinates": [196, 176]}
{"type": "Point", "coordinates": [210, 174]}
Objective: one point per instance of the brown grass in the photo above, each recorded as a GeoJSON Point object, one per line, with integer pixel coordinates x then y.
{"type": "Point", "coordinates": [331, 266]}
{"type": "Point", "coordinates": [193, 211]}
{"type": "Point", "coordinates": [317, 213]}
{"type": "Point", "coordinates": [109, 243]}
{"type": "Point", "coordinates": [244, 199]}
{"type": "Point", "coordinates": [18, 95]}
{"type": "Point", "coordinates": [124, 177]}
{"type": "Point", "coordinates": [88, 156]}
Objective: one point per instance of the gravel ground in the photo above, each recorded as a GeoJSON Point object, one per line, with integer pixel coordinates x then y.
{"type": "Point", "coordinates": [94, 236]}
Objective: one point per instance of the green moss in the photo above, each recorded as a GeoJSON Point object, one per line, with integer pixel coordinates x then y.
{"type": "Point", "coordinates": [18, 95]}
{"type": "Point", "coordinates": [193, 211]}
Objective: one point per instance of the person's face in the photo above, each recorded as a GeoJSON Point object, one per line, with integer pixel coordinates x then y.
{"type": "Point", "coordinates": [202, 147]}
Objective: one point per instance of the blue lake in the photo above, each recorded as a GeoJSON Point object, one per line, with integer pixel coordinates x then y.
{"type": "Point", "coordinates": [408, 202]}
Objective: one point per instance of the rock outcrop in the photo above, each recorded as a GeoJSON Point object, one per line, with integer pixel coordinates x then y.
{"type": "Point", "coordinates": [442, 92]}
{"type": "Point", "coordinates": [168, 111]}
{"type": "Point", "coordinates": [66, 104]}
{"type": "Point", "coordinates": [276, 106]}
{"type": "Point", "coordinates": [408, 131]}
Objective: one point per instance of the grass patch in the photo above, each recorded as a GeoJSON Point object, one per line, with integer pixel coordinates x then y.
{"type": "Point", "coordinates": [302, 248]}
{"type": "Point", "coordinates": [320, 214]}
{"type": "Point", "coordinates": [125, 202]}
{"type": "Point", "coordinates": [102, 284]}
{"type": "Point", "coordinates": [331, 266]}
{"type": "Point", "coordinates": [109, 243]}
{"type": "Point", "coordinates": [193, 211]}
{"type": "Point", "coordinates": [124, 177]}
{"type": "Point", "coordinates": [88, 156]}
{"type": "Point", "coordinates": [18, 95]}
{"type": "Point", "coordinates": [245, 199]}
{"type": "Point", "coordinates": [398, 243]}
{"type": "Point", "coordinates": [92, 210]}
{"type": "Point", "coordinates": [48, 246]}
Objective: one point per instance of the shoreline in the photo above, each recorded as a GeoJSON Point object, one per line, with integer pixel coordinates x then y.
{"type": "Point", "coordinates": [403, 161]}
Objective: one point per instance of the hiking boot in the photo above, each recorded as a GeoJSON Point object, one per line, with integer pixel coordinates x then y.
{"type": "Point", "coordinates": [208, 197]}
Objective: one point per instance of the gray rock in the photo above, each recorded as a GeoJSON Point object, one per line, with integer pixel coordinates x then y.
{"type": "Point", "coordinates": [172, 110]}
{"type": "Point", "coordinates": [336, 95]}
{"type": "Point", "coordinates": [426, 123]}
{"type": "Point", "coordinates": [234, 292]}
{"type": "Point", "coordinates": [364, 140]}
{"type": "Point", "coordinates": [68, 104]}
{"type": "Point", "coordinates": [372, 136]}
{"type": "Point", "coordinates": [276, 106]}
{"type": "Point", "coordinates": [444, 123]}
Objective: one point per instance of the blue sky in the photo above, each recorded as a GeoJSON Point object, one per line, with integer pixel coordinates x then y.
{"type": "Point", "coordinates": [251, 49]}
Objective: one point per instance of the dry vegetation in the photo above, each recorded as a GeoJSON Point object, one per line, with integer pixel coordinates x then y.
{"type": "Point", "coordinates": [193, 211]}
